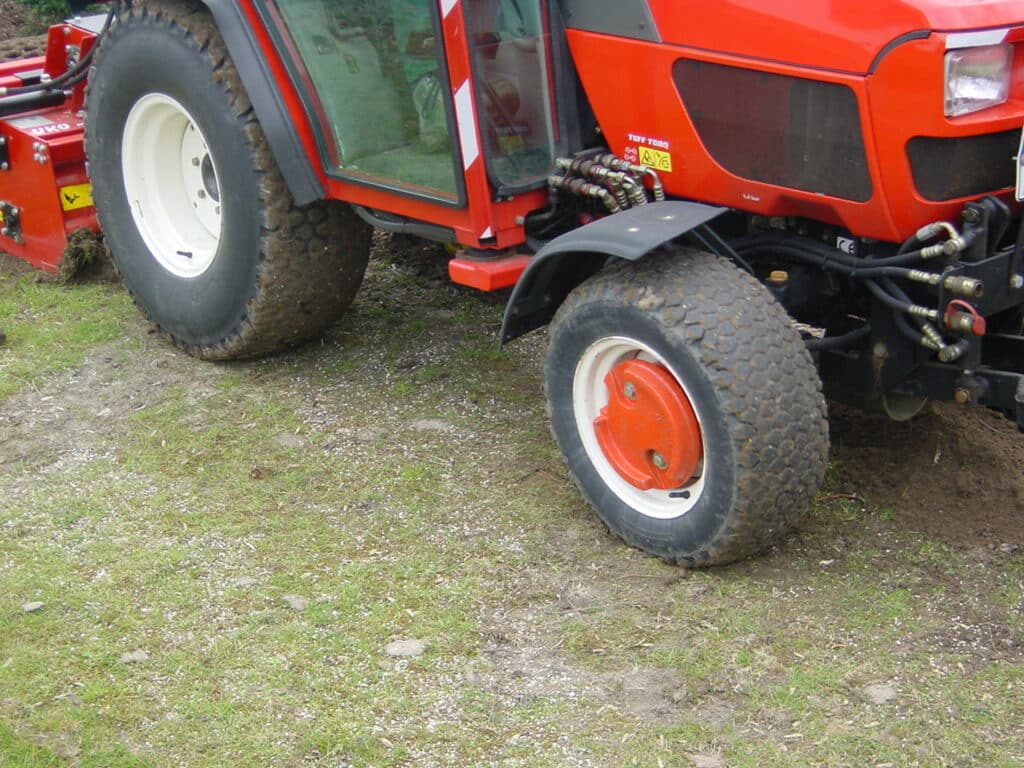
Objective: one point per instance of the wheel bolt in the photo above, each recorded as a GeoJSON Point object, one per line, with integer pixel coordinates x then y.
{"type": "Point", "coordinates": [195, 161]}
{"type": "Point", "coordinates": [202, 195]}
{"type": "Point", "coordinates": [629, 390]}
{"type": "Point", "coordinates": [659, 461]}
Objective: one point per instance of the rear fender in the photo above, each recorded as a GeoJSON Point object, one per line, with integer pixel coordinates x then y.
{"type": "Point", "coordinates": [568, 260]}
{"type": "Point", "coordinates": [265, 93]}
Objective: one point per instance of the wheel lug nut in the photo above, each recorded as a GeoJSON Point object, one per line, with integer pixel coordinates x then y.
{"type": "Point", "coordinates": [629, 390]}
{"type": "Point", "coordinates": [195, 161]}
{"type": "Point", "coordinates": [202, 195]}
{"type": "Point", "coordinates": [659, 461]}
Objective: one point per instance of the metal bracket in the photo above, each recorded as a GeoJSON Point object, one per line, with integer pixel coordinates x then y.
{"type": "Point", "coordinates": [10, 222]}
{"type": "Point", "coordinates": [5, 153]}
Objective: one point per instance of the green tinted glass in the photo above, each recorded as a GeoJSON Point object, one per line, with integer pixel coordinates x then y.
{"type": "Point", "coordinates": [375, 65]}
{"type": "Point", "coordinates": [514, 87]}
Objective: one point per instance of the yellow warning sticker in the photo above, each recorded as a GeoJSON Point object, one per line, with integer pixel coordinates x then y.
{"type": "Point", "coordinates": [76, 196]}
{"type": "Point", "coordinates": [656, 159]}
{"type": "Point", "coordinates": [1, 216]}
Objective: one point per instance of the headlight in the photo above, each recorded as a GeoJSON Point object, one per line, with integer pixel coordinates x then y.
{"type": "Point", "coordinates": [977, 78]}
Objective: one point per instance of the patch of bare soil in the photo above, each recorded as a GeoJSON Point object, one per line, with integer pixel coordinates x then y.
{"type": "Point", "coordinates": [19, 31]}
{"type": "Point", "coordinates": [954, 473]}
{"type": "Point", "coordinates": [83, 411]}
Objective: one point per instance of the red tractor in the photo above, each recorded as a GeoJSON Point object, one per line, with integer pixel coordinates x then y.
{"type": "Point", "coordinates": [715, 206]}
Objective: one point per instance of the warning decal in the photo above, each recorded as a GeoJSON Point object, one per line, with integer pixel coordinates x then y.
{"type": "Point", "coordinates": [76, 196]}
{"type": "Point", "coordinates": [656, 159]}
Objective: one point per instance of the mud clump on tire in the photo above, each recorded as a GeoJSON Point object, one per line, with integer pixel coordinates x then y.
{"type": "Point", "coordinates": [86, 257]}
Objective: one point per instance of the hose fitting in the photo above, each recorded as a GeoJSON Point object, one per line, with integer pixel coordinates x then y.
{"type": "Point", "coordinates": [965, 286]}
{"type": "Point", "coordinates": [961, 317]}
{"type": "Point", "coordinates": [953, 352]}
{"type": "Point", "coordinates": [933, 335]}
{"type": "Point", "coordinates": [918, 311]}
{"type": "Point", "coordinates": [586, 189]}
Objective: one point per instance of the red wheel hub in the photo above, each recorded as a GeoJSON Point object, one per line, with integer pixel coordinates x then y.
{"type": "Point", "coordinates": [648, 431]}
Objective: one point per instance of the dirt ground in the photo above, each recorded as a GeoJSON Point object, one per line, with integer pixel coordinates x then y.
{"type": "Point", "coordinates": [19, 31]}
{"type": "Point", "coordinates": [955, 475]}
{"type": "Point", "coordinates": [14, 17]}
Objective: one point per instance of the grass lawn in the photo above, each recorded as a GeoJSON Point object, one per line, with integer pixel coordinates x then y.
{"type": "Point", "coordinates": [224, 555]}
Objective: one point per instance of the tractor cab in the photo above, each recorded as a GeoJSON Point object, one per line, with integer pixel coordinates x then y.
{"type": "Point", "coordinates": [448, 105]}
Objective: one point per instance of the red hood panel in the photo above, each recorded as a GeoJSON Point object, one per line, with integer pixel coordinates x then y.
{"type": "Point", "coordinates": [839, 34]}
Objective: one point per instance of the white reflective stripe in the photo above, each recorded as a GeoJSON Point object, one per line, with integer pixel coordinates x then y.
{"type": "Point", "coordinates": [447, 6]}
{"type": "Point", "coordinates": [975, 39]}
{"type": "Point", "coordinates": [487, 233]}
{"type": "Point", "coordinates": [467, 125]}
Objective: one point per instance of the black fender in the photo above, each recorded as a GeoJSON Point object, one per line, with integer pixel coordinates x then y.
{"type": "Point", "coordinates": [568, 260]}
{"type": "Point", "coordinates": [265, 94]}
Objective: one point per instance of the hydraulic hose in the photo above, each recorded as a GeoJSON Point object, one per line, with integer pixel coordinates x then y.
{"type": "Point", "coordinates": [900, 302]}
{"type": "Point", "coordinates": [844, 341]}
{"type": "Point", "coordinates": [878, 276]}
{"type": "Point", "coordinates": [961, 286]}
{"type": "Point", "coordinates": [827, 256]}
{"type": "Point", "coordinates": [72, 76]}
{"type": "Point", "coordinates": [713, 242]}
{"type": "Point", "coordinates": [619, 164]}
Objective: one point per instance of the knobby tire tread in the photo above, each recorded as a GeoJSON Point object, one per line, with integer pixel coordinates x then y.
{"type": "Point", "coordinates": [781, 436]}
{"type": "Point", "coordinates": [313, 257]}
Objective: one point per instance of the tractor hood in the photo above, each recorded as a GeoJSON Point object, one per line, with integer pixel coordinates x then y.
{"type": "Point", "coordinates": [844, 35]}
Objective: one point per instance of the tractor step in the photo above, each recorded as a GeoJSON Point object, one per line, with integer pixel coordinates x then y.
{"type": "Point", "coordinates": [487, 274]}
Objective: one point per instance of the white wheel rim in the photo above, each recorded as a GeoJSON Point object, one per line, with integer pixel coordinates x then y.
{"type": "Point", "coordinates": [590, 396]}
{"type": "Point", "coordinates": [172, 185]}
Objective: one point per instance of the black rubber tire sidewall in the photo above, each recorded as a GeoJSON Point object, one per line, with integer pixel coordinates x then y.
{"type": "Point", "coordinates": [204, 310]}
{"type": "Point", "coordinates": [701, 523]}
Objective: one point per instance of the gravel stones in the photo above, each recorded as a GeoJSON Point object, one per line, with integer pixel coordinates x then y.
{"type": "Point", "coordinates": [406, 649]}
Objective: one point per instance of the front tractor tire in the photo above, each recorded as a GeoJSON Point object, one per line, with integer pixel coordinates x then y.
{"type": "Point", "coordinates": [198, 218]}
{"type": "Point", "coordinates": [687, 409]}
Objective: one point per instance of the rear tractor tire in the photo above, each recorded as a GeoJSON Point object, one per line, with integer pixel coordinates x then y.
{"type": "Point", "coordinates": [199, 220]}
{"type": "Point", "coordinates": [686, 407]}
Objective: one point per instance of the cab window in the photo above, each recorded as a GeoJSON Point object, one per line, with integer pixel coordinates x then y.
{"type": "Point", "coordinates": [376, 67]}
{"type": "Point", "coordinates": [514, 87]}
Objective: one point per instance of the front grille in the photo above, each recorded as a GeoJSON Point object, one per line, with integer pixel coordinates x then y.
{"type": "Point", "coordinates": [946, 169]}
{"type": "Point", "coordinates": [788, 131]}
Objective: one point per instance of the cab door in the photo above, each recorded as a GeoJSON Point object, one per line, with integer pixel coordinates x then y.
{"type": "Point", "coordinates": [515, 89]}
{"type": "Point", "coordinates": [435, 110]}
{"type": "Point", "coordinates": [377, 70]}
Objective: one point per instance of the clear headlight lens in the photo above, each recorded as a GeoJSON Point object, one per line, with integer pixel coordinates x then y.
{"type": "Point", "coordinates": [977, 78]}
